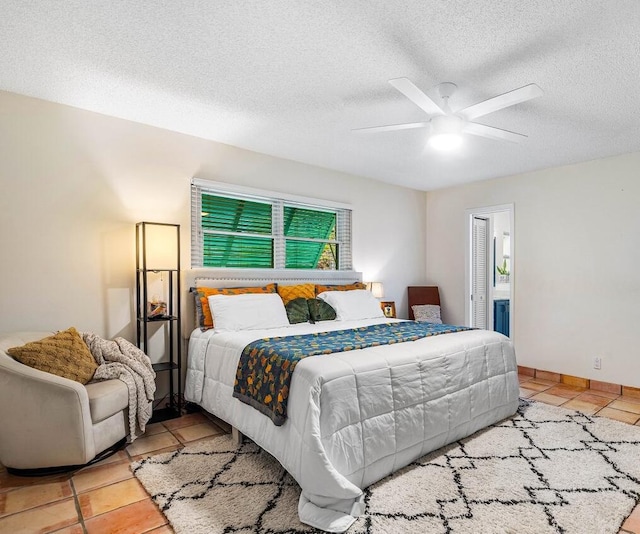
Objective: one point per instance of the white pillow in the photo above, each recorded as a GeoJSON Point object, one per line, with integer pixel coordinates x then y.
{"type": "Point", "coordinates": [353, 305]}
{"type": "Point", "coordinates": [429, 313]}
{"type": "Point", "coordinates": [251, 311]}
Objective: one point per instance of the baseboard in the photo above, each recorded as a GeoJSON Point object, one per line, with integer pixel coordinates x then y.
{"type": "Point", "coordinates": [588, 383]}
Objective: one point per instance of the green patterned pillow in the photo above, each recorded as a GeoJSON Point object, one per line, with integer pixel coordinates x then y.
{"type": "Point", "coordinates": [320, 310]}
{"type": "Point", "coordinates": [297, 310]}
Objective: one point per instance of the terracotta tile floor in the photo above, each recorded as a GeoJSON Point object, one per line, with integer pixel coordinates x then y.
{"type": "Point", "coordinates": [101, 499]}
{"type": "Point", "coordinates": [106, 497]}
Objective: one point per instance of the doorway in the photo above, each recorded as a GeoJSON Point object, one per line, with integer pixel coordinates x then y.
{"type": "Point", "coordinates": [489, 268]}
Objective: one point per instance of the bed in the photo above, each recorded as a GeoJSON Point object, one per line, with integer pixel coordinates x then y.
{"type": "Point", "coordinates": [354, 417]}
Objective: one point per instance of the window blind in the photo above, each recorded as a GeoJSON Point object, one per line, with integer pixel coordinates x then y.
{"type": "Point", "coordinates": [237, 232]}
{"type": "Point", "coordinates": [310, 238]}
{"type": "Point", "coordinates": [230, 230]}
{"type": "Point", "coordinates": [235, 215]}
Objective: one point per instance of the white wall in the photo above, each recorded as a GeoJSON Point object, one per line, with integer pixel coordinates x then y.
{"type": "Point", "coordinates": [577, 271]}
{"type": "Point", "coordinates": [74, 183]}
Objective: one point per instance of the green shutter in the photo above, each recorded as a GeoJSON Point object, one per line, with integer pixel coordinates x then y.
{"type": "Point", "coordinates": [301, 222]}
{"type": "Point", "coordinates": [237, 251]}
{"type": "Point", "coordinates": [235, 215]}
{"type": "Point", "coordinates": [314, 224]}
{"type": "Point", "coordinates": [223, 214]}
{"type": "Point", "coordinates": [245, 231]}
{"type": "Point", "coordinates": [311, 255]}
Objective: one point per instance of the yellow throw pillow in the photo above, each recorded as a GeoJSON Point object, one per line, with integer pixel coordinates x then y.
{"type": "Point", "coordinates": [342, 287]}
{"type": "Point", "coordinates": [202, 293]}
{"type": "Point", "coordinates": [289, 293]}
{"type": "Point", "coordinates": [64, 354]}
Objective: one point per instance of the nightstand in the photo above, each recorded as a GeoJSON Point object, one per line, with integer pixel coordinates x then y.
{"type": "Point", "coordinates": [388, 308]}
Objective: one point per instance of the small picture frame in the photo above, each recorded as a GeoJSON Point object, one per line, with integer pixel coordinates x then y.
{"type": "Point", "coordinates": [389, 309]}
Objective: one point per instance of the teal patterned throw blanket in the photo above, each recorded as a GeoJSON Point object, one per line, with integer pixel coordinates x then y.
{"type": "Point", "coordinates": [266, 365]}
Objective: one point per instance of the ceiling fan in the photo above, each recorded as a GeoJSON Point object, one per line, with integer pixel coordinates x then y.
{"type": "Point", "coordinates": [447, 125]}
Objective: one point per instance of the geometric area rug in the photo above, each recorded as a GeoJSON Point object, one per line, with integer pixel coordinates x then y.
{"type": "Point", "coordinates": [544, 470]}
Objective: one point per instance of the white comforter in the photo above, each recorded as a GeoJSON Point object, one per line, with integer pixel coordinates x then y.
{"type": "Point", "coordinates": [355, 417]}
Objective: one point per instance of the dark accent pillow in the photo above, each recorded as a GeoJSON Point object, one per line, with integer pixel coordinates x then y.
{"type": "Point", "coordinates": [320, 310]}
{"type": "Point", "coordinates": [297, 310]}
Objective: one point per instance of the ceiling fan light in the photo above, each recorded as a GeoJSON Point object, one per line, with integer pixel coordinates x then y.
{"type": "Point", "coordinates": [446, 132]}
{"type": "Point", "coordinates": [445, 141]}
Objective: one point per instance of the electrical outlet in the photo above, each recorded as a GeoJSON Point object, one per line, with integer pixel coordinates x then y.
{"type": "Point", "coordinates": [597, 362]}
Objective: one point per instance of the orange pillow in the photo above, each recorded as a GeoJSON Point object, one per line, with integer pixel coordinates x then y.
{"type": "Point", "coordinates": [343, 287]}
{"type": "Point", "coordinates": [205, 319]}
{"type": "Point", "coordinates": [64, 354]}
{"type": "Point", "coordinates": [288, 293]}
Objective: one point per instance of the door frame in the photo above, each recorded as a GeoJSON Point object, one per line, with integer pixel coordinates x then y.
{"type": "Point", "coordinates": [483, 212]}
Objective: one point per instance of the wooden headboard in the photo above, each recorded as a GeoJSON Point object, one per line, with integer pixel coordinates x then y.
{"type": "Point", "coordinates": [422, 295]}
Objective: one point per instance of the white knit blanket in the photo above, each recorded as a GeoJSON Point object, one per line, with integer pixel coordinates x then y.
{"type": "Point", "coordinates": [121, 359]}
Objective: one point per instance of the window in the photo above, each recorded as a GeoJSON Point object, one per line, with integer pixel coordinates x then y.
{"type": "Point", "coordinates": [232, 229]}
{"type": "Point", "coordinates": [236, 232]}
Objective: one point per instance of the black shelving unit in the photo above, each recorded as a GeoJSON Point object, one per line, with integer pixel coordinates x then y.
{"type": "Point", "coordinates": [149, 262]}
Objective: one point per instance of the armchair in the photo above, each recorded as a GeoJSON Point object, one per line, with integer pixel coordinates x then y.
{"type": "Point", "coordinates": [49, 423]}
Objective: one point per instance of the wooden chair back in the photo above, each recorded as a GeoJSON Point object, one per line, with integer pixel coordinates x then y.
{"type": "Point", "coordinates": [422, 295]}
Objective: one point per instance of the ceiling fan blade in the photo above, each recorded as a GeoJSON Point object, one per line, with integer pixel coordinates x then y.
{"type": "Point", "coordinates": [492, 133]}
{"type": "Point", "coordinates": [501, 101]}
{"type": "Point", "coordinates": [391, 127]}
{"type": "Point", "coordinates": [408, 89]}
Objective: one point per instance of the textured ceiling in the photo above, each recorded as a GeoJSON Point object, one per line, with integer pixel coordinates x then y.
{"type": "Point", "coordinates": [292, 78]}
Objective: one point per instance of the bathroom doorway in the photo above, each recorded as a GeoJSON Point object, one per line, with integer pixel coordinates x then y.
{"type": "Point", "coordinates": [489, 270]}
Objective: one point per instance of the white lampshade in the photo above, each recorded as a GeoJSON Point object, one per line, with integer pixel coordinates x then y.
{"type": "Point", "coordinates": [446, 132]}
{"type": "Point", "coordinates": [445, 141]}
{"type": "Point", "coordinates": [376, 288]}
{"type": "Point", "coordinates": [160, 243]}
